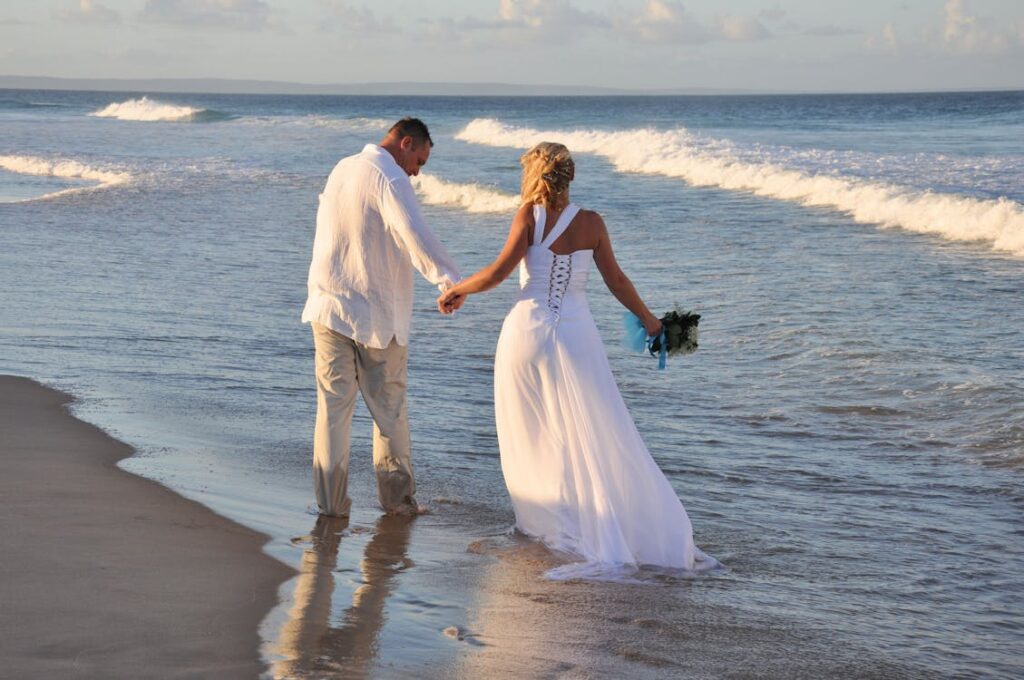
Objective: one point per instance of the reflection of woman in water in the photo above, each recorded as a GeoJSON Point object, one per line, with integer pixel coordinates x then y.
{"type": "Point", "coordinates": [308, 643]}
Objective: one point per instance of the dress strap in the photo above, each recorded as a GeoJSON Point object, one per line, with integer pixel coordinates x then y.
{"type": "Point", "coordinates": [562, 224]}
{"type": "Point", "coordinates": [540, 218]}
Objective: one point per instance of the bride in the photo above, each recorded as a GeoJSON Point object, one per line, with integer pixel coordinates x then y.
{"type": "Point", "coordinates": [579, 475]}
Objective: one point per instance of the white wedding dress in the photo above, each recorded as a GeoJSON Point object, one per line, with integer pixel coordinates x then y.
{"type": "Point", "coordinates": [580, 477]}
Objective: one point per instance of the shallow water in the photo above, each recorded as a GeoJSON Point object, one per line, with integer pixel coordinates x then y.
{"type": "Point", "coordinates": [848, 440]}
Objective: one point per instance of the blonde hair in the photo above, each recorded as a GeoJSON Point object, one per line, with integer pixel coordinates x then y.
{"type": "Point", "coordinates": [547, 170]}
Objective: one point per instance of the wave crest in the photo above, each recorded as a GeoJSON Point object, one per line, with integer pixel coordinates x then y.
{"type": "Point", "coordinates": [148, 110]}
{"type": "Point", "coordinates": [677, 153]}
{"type": "Point", "coordinates": [63, 168]}
{"type": "Point", "coordinates": [474, 198]}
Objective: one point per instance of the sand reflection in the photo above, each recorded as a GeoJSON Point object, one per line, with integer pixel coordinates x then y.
{"type": "Point", "coordinates": [312, 642]}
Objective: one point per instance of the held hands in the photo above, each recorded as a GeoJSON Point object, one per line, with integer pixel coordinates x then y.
{"type": "Point", "coordinates": [449, 301]}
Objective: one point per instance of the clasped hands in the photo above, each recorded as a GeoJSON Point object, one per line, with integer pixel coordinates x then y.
{"type": "Point", "coordinates": [448, 301]}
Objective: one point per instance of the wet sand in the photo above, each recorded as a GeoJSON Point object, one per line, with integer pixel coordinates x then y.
{"type": "Point", "coordinates": [400, 598]}
{"type": "Point", "coordinates": [105, 574]}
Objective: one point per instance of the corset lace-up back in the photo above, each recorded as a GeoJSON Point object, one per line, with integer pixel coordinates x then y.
{"type": "Point", "coordinates": [558, 282]}
{"type": "Point", "coordinates": [561, 274]}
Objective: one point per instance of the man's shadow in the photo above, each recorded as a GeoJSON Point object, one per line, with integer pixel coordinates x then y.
{"type": "Point", "coordinates": [314, 642]}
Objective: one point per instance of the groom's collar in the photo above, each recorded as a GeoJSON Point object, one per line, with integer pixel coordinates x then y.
{"type": "Point", "coordinates": [381, 155]}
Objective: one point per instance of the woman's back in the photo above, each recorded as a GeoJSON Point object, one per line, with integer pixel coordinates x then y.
{"type": "Point", "coordinates": [552, 279]}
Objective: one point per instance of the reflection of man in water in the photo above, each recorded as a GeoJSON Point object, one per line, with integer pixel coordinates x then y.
{"type": "Point", "coordinates": [308, 642]}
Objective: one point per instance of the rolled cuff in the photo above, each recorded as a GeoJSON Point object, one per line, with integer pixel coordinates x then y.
{"type": "Point", "coordinates": [448, 282]}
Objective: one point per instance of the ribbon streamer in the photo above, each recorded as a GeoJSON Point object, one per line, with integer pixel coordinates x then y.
{"type": "Point", "coordinates": [637, 340]}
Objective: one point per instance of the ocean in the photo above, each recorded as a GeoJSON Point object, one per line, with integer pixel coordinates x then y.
{"type": "Point", "coordinates": [848, 440]}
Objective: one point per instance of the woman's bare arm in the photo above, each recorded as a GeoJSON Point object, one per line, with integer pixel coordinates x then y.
{"type": "Point", "coordinates": [498, 270]}
{"type": "Point", "coordinates": [617, 281]}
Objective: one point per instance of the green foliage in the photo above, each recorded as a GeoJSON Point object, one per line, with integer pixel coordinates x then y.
{"type": "Point", "coordinates": [681, 333]}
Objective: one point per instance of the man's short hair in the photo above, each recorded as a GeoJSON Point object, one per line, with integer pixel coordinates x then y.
{"type": "Point", "coordinates": [412, 127]}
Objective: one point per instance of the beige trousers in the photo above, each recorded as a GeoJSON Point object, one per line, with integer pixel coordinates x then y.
{"type": "Point", "coordinates": [343, 368]}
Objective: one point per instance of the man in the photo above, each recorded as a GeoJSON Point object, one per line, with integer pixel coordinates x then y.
{"type": "Point", "coordinates": [370, 233]}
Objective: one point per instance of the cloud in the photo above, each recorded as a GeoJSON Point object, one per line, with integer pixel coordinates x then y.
{"type": "Point", "coordinates": [517, 21]}
{"type": "Point", "coordinates": [547, 15]}
{"type": "Point", "coordinates": [538, 20]}
{"type": "Point", "coordinates": [659, 22]}
{"type": "Point", "coordinates": [740, 29]}
{"type": "Point", "coordinates": [669, 22]}
{"type": "Point", "coordinates": [665, 21]}
{"type": "Point", "coordinates": [243, 15]}
{"type": "Point", "coordinates": [349, 18]}
{"type": "Point", "coordinates": [956, 32]}
{"type": "Point", "coordinates": [89, 12]}
{"type": "Point", "coordinates": [964, 33]}
{"type": "Point", "coordinates": [885, 42]}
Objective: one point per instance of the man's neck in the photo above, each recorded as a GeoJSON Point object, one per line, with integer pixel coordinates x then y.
{"type": "Point", "coordinates": [391, 147]}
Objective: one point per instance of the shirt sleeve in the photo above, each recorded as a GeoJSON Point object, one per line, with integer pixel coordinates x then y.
{"type": "Point", "coordinates": [402, 215]}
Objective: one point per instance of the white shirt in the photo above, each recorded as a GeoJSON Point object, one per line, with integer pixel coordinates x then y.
{"type": "Point", "coordinates": [370, 233]}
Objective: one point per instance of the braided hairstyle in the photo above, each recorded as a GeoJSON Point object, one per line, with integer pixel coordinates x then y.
{"type": "Point", "coordinates": [547, 170]}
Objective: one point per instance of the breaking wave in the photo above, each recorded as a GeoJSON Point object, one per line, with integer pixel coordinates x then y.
{"type": "Point", "coordinates": [65, 169]}
{"type": "Point", "coordinates": [677, 153]}
{"type": "Point", "coordinates": [474, 198]}
{"type": "Point", "coordinates": [150, 110]}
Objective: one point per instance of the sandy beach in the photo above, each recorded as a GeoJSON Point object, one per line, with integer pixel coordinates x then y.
{"type": "Point", "coordinates": [105, 574]}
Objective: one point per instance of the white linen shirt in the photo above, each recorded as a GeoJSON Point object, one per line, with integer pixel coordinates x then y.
{"type": "Point", "coordinates": [370, 233]}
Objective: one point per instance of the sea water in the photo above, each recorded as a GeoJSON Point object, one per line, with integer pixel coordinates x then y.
{"type": "Point", "coordinates": [848, 440]}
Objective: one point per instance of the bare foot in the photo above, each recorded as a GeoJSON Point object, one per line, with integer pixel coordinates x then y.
{"type": "Point", "coordinates": [407, 510]}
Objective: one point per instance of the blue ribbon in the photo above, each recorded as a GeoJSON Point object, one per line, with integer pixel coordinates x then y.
{"type": "Point", "coordinates": [662, 351]}
{"type": "Point", "coordinates": [637, 340]}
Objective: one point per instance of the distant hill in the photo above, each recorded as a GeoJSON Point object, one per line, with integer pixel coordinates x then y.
{"type": "Point", "coordinates": [228, 86]}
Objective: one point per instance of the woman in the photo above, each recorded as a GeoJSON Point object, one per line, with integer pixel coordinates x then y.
{"type": "Point", "coordinates": [577, 470]}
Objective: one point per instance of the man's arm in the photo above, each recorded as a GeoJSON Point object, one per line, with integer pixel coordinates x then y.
{"type": "Point", "coordinates": [402, 215]}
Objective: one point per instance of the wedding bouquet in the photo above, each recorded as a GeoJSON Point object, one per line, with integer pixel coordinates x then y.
{"type": "Point", "coordinates": [679, 335]}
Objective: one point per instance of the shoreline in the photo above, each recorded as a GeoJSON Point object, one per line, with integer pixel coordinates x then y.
{"type": "Point", "coordinates": [108, 574]}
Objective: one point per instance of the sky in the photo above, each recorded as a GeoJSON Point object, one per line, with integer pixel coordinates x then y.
{"type": "Point", "coordinates": [788, 45]}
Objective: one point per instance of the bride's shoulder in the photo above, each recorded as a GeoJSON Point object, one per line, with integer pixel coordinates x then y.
{"type": "Point", "coordinates": [591, 220]}
{"type": "Point", "coordinates": [523, 222]}
{"type": "Point", "coordinates": [524, 216]}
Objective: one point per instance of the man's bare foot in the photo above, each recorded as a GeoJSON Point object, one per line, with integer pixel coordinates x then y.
{"type": "Point", "coordinates": [408, 510]}
{"type": "Point", "coordinates": [315, 510]}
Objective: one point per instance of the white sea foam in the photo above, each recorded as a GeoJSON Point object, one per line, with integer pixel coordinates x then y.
{"type": "Point", "coordinates": [64, 168]}
{"type": "Point", "coordinates": [148, 110]}
{"type": "Point", "coordinates": [677, 153]}
{"type": "Point", "coordinates": [474, 198]}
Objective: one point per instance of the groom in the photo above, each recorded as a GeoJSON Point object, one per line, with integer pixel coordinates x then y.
{"type": "Point", "coordinates": [370, 234]}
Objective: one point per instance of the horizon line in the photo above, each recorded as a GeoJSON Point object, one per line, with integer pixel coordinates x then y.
{"type": "Point", "coordinates": [418, 89]}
